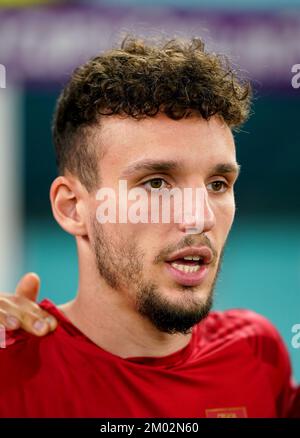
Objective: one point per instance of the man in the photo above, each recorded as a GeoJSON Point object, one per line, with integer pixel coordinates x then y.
{"type": "Point", "coordinates": [139, 339]}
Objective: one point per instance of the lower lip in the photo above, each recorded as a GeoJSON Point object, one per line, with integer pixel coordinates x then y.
{"type": "Point", "coordinates": [188, 278]}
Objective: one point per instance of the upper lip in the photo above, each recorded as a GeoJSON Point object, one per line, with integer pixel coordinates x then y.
{"type": "Point", "coordinates": [203, 251]}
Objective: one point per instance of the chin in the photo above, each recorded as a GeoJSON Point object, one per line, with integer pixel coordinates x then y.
{"type": "Point", "coordinates": [184, 294]}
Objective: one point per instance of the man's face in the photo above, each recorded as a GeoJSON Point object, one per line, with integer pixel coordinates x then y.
{"type": "Point", "coordinates": [137, 259]}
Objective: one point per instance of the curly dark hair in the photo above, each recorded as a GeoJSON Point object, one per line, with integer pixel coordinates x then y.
{"type": "Point", "coordinates": [178, 78]}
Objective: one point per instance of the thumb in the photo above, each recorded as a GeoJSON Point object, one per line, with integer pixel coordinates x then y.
{"type": "Point", "coordinates": [28, 286]}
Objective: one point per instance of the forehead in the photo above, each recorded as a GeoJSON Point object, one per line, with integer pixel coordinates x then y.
{"type": "Point", "coordinates": [195, 142]}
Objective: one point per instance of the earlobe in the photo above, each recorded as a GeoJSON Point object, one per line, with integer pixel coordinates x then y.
{"type": "Point", "coordinates": [66, 196]}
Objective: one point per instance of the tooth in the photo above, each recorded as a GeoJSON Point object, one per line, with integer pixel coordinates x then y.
{"type": "Point", "coordinates": [179, 267]}
{"type": "Point", "coordinates": [195, 258]}
{"type": "Point", "coordinates": [185, 268]}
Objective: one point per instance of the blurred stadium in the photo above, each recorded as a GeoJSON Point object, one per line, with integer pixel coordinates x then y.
{"type": "Point", "coordinates": [42, 41]}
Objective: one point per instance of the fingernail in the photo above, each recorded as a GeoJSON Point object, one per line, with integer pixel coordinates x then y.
{"type": "Point", "coordinates": [51, 321]}
{"type": "Point", "coordinates": [39, 325]}
{"type": "Point", "coordinates": [12, 322]}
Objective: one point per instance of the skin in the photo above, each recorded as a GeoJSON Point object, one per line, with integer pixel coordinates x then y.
{"type": "Point", "coordinates": [21, 311]}
{"type": "Point", "coordinates": [106, 311]}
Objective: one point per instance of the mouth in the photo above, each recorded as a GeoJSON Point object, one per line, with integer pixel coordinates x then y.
{"type": "Point", "coordinates": [189, 267]}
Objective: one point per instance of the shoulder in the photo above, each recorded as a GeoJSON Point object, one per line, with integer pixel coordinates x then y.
{"type": "Point", "coordinates": [247, 322]}
{"type": "Point", "coordinates": [19, 346]}
{"type": "Point", "coordinates": [243, 321]}
{"type": "Point", "coordinates": [19, 360]}
{"type": "Point", "coordinates": [28, 359]}
{"type": "Point", "coordinates": [19, 340]}
{"type": "Point", "coordinates": [247, 327]}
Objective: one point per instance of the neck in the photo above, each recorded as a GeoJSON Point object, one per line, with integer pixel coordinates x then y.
{"type": "Point", "coordinates": [106, 318]}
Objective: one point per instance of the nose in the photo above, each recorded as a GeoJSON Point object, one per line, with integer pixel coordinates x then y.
{"type": "Point", "coordinates": [198, 216]}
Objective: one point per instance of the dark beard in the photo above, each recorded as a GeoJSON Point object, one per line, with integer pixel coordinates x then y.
{"type": "Point", "coordinates": [170, 317]}
{"type": "Point", "coordinates": [120, 265]}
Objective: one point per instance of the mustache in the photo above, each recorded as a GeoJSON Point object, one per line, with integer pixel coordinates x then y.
{"type": "Point", "coordinates": [187, 241]}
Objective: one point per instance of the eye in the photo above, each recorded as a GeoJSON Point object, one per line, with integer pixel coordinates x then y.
{"type": "Point", "coordinates": [155, 184]}
{"type": "Point", "coordinates": [219, 186]}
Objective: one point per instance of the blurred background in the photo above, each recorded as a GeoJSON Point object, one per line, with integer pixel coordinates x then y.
{"type": "Point", "coordinates": [42, 41]}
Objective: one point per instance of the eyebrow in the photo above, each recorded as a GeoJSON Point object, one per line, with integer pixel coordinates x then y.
{"type": "Point", "coordinates": [224, 168]}
{"type": "Point", "coordinates": [152, 166]}
{"type": "Point", "coordinates": [171, 165]}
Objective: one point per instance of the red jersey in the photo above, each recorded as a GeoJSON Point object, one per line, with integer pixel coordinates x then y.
{"type": "Point", "coordinates": [235, 365]}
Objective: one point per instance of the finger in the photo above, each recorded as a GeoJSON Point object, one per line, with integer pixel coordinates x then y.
{"type": "Point", "coordinates": [28, 286]}
{"type": "Point", "coordinates": [31, 317]}
{"type": "Point", "coordinates": [41, 314]}
{"type": "Point", "coordinates": [51, 321]}
{"type": "Point", "coordinates": [41, 317]}
{"type": "Point", "coordinates": [8, 321]}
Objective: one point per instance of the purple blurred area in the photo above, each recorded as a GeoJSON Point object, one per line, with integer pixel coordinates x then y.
{"type": "Point", "coordinates": [45, 44]}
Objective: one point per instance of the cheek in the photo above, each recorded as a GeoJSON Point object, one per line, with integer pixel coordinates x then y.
{"type": "Point", "coordinates": [149, 239]}
{"type": "Point", "coordinates": [225, 212]}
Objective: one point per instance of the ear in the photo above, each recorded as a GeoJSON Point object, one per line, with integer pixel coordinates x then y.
{"type": "Point", "coordinates": [68, 201]}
